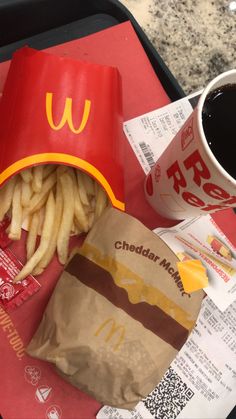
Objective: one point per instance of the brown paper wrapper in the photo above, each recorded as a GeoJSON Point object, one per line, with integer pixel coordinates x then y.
{"type": "Point", "coordinates": [119, 313]}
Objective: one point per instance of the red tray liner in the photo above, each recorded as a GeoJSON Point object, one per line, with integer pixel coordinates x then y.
{"type": "Point", "coordinates": [117, 46]}
{"type": "Point", "coordinates": [142, 92]}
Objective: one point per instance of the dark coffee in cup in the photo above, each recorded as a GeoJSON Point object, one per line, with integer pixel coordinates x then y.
{"type": "Point", "coordinates": [196, 173]}
{"type": "Point", "coordinates": [219, 124]}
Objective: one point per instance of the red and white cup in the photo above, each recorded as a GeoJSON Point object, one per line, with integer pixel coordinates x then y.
{"type": "Point", "coordinates": [187, 180]}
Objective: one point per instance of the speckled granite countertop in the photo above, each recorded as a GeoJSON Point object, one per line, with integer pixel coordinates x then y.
{"type": "Point", "coordinates": [196, 38]}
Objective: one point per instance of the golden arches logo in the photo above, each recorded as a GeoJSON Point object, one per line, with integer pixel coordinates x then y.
{"type": "Point", "coordinates": [114, 328]}
{"type": "Point", "coordinates": [67, 114]}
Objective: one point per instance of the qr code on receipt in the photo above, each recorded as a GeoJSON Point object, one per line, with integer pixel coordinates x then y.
{"type": "Point", "coordinates": [169, 398]}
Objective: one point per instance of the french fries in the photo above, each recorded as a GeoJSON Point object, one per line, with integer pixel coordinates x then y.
{"type": "Point", "coordinates": [37, 178]}
{"type": "Point", "coordinates": [39, 199]}
{"type": "Point", "coordinates": [82, 190]}
{"type": "Point", "coordinates": [6, 196]}
{"type": "Point", "coordinates": [16, 219]}
{"type": "Point", "coordinates": [44, 242]}
{"type": "Point", "coordinates": [26, 175]}
{"type": "Point", "coordinates": [56, 202]}
{"type": "Point", "coordinates": [66, 219]}
{"type": "Point", "coordinates": [32, 234]}
{"type": "Point", "coordinates": [101, 202]}
{"type": "Point", "coordinates": [26, 192]}
{"type": "Point", "coordinates": [53, 242]}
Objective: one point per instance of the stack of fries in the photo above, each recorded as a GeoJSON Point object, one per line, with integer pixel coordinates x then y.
{"type": "Point", "coordinates": [57, 201]}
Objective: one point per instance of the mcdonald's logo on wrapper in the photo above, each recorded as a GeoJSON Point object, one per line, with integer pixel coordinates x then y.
{"type": "Point", "coordinates": [115, 329]}
{"type": "Point", "coordinates": [61, 116]}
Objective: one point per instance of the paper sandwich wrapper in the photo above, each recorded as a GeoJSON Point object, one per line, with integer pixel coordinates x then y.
{"type": "Point", "coordinates": [63, 111]}
{"type": "Point", "coordinates": [118, 315]}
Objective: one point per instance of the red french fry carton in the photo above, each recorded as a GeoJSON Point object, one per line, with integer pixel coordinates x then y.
{"type": "Point", "coordinates": [59, 110]}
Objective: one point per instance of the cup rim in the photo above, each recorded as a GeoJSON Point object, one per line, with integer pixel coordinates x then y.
{"type": "Point", "coordinates": [201, 101]}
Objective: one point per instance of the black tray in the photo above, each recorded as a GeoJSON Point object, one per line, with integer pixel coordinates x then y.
{"type": "Point", "coordinates": [44, 23]}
